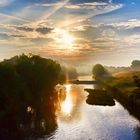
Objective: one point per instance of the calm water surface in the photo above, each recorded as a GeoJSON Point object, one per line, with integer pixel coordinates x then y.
{"type": "Point", "coordinates": [79, 121]}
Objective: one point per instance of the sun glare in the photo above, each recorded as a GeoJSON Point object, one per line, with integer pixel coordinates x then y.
{"type": "Point", "coordinates": [64, 38]}
{"type": "Point", "coordinates": [67, 38]}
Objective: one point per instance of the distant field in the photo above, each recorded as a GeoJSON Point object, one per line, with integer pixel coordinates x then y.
{"type": "Point", "coordinates": [128, 74]}
{"type": "Point", "coordinates": [124, 81]}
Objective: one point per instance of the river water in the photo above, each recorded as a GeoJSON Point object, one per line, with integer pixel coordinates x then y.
{"type": "Point", "coordinates": [79, 121]}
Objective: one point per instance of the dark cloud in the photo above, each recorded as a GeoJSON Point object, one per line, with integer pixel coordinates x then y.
{"type": "Point", "coordinates": [18, 36]}
{"type": "Point", "coordinates": [44, 30]}
{"type": "Point", "coordinates": [24, 28]}
{"type": "Point", "coordinates": [41, 30]}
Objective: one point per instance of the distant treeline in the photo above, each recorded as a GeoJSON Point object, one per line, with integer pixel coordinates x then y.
{"type": "Point", "coordinates": [103, 72]}
{"type": "Point", "coordinates": [28, 100]}
{"type": "Point", "coordinates": [135, 65]}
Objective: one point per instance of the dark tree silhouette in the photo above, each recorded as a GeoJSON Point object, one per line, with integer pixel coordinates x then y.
{"type": "Point", "coordinates": [27, 96]}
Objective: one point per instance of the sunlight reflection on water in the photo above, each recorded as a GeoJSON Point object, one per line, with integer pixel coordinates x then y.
{"type": "Point", "coordinates": [66, 105]}
{"type": "Point", "coordinates": [80, 121]}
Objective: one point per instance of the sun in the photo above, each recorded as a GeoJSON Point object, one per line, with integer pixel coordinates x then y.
{"type": "Point", "coordinates": [64, 38]}
{"type": "Point", "coordinates": [67, 38]}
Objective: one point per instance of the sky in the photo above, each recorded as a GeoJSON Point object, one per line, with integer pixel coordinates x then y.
{"type": "Point", "coordinates": [76, 32]}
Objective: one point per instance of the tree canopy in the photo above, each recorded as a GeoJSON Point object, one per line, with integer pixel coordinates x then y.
{"type": "Point", "coordinates": [27, 92]}
{"type": "Point", "coordinates": [100, 73]}
{"type": "Point", "coordinates": [135, 64]}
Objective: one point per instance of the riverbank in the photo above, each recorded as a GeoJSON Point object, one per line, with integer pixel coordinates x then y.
{"type": "Point", "coordinates": [124, 87]}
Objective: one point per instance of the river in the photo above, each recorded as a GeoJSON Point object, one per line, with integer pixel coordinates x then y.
{"type": "Point", "coordinates": [79, 121]}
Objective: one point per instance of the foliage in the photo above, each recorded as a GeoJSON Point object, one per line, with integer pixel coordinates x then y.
{"type": "Point", "coordinates": [137, 81]}
{"type": "Point", "coordinates": [128, 83]}
{"type": "Point", "coordinates": [113, 69]}
{"type": "Point", "coordinates": [135, 64]}
{"type": "Point", "coordinates": [27, 92]}
{"type": "Point", "coordinates": [100, 73]}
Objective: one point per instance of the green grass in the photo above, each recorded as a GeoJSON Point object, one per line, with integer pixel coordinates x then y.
{"type": "Point", "coordinates": [124, 82]}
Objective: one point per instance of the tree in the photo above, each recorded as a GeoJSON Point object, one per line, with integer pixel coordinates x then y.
{"type": "Point", "coordinates": [100, 73]}
{"type": "Point", "coordinates": [135, 64]}
{"type": "Point", "coordinates": [27, 92]}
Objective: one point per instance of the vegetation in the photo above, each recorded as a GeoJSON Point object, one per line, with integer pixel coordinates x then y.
{"type": "Point", "coordinates": [125, 87]}
{"type": "Point", "coordinates": [27, 96]}
{"type": "Point", "coordinates": [100, 73]}
{"type": "Point", "coordinates": [126, 82]}
{"type": "Point", "coordinates": [28, 99]}
{"type": "Point", "coordinates": [99, 97]}
{"type": "Point", "coordinates": [114, 70]}
{"type": "Point", "coordinates": [135, 64]}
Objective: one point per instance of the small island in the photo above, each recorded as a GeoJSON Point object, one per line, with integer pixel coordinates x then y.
{"type": "Point", "coordinates": [99, 97]}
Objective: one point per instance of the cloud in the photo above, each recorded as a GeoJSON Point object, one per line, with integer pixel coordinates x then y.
{"type": "Point", "coordinates": [39, 29]}
{"type": "Point", "coordinates": [24, 28]}
{"type": "Point", "coordinates": [85, 5]}
{"type": "Point", "coordinates": [55, 8]}
{"type": "Point", "coordinates": [131, 40]}
{"type": "Point", "coordinates": [5, 2]}
{"type": "Point", "coordinates": [41, 41]}
{"type": "Point", "coordinates": [14, 17]}
{"type": "Point", "coordinates": [89, 1]}
{"type": "Point", "coordinates": [85, 11]}
{"type": "Point", "coordinates": [4, 36]}
{"type": "Point", "coordinates": [77, 16]}
{"type": "Point", "coordinates": [17, 36]}
{"type": "Point", "coordinates": [44, 30]}
{"type": "Point", "coordinates": [132, 23]}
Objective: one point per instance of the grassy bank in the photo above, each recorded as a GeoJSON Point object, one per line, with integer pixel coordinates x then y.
{"type": "Point", "coordinates": [125, 82]}
{"type": "Point", "coordinates": [125, 88]}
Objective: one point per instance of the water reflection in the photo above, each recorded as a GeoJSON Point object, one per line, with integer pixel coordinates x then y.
{"type": "Point", "coordinates": [66, 105]}
{"type": "Point", "coordinates": [70, 103]}
{"type": "Point", "coordinates": [77, 120]}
